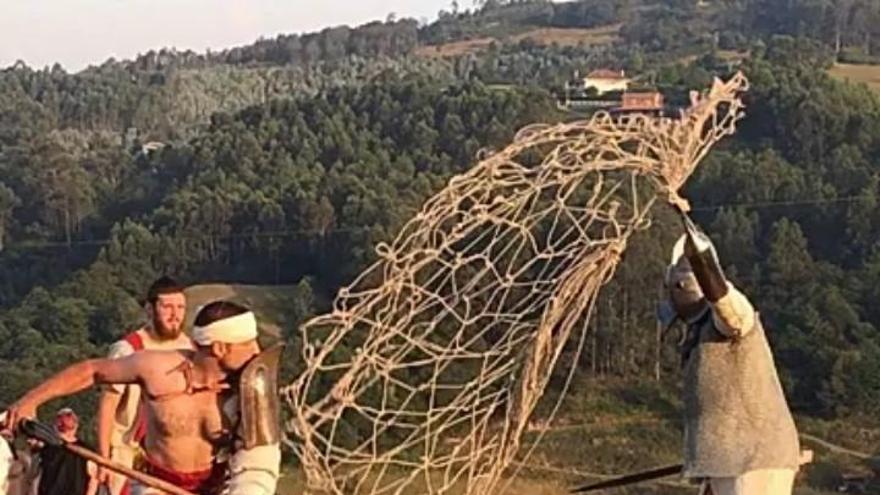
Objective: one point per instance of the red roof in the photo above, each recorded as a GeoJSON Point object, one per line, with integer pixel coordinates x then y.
{"type": "Point", "coordinates": [606, 74]}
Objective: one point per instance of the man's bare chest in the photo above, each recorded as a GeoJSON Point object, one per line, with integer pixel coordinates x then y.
{"type": "Point", "coordinates": [183, 402]}
{"type": "Point", "coordinates": [187, 416]}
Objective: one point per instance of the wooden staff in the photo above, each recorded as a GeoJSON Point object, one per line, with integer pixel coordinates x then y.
{"type": "Point", "coordinates": [630, 479]}
{"type": "Point", "coordinates": [48, 435]}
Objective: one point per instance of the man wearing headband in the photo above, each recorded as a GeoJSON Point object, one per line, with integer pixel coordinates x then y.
{"type": "Point", "coordinates": [251, 407]}
{"type": "Point", "coordinates": [739, 435]}
{"type": "Point", "coordinates": [182, 393]}
{"type": "Point", "coordinates": [120, 427]}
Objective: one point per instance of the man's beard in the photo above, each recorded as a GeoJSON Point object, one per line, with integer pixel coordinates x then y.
{"type": "Point", "coordinates": [165, 333]}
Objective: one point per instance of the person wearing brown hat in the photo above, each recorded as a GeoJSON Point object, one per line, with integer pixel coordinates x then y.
{"type": "Point", "coordinates": [739, 435]}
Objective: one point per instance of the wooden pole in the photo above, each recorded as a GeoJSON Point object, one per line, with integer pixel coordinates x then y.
{"type": "Point", "coordinates": [126, 471]}
{"type": "Point", "coordinates": [48, 435]}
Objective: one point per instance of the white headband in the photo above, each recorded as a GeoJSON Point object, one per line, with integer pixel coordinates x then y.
{"type": "Point", "coordinates": [234, 330]}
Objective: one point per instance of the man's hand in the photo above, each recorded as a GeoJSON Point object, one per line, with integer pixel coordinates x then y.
{"type": "Point", "coordinates": [103, 476]}
{"type": "Point", "coordinates": [21, 410]}
{"type": "Point", "coordinates": [93, 484]}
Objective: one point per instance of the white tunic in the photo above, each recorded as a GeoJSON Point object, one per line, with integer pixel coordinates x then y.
{"type": "Point", "coordinates": [758, 482]}
{"type": "Point", "coordinates": [6, 459]}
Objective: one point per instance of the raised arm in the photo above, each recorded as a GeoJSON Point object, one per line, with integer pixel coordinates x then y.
{"type": "Point", "coordinates": [732, 312]}
{"type": "Point", "coordinates": [76, 378]}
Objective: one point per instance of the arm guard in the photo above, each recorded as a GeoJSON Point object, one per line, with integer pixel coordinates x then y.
{"type": "Point", "coordinates": [701, 255]}
{"type": "Point", "coordinates": [255, 464]}
{"type": "Point", "coordinates": [260, 410]}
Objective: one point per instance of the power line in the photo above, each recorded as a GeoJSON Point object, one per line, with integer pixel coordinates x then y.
{"type": "Point", "coordinates": [313, 232]}
{"type": "Point", "coordinates": [191, 237]}
{"type": "Point", "coordinates": [770, 204]}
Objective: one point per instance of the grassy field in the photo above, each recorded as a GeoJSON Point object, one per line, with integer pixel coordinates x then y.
{"type": "Point", "coordinates": [619, 428]}
{"type": "Point", "coordinates": [543, 36]}
{"type": "Point", "coordinates": [292, 484]}
{"type": "Point", "coordinates": [570, 36]}
{"type": "Point", "coordinates": [455, 48]}
{"type": "Point", "coordinates": [724, 55]}
{"type": "Point", "coordinates": [868, 74]}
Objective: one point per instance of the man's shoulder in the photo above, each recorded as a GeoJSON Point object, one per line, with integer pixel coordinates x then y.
{"type": "Point", "coordinates": [182, 342]}
{"type": "Point", "coordinates": [142, 340]}
{"type": "Point", "coordinates": [153, 359]}
{"type": "Point", "coordinates": [127, 345]}
{"type": "Point", "coordinates": [149, 357]}
{"type": "Point", "coordinates": [165, 354]}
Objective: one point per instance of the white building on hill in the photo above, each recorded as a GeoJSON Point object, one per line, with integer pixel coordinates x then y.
{"type": "Point", "coordinates": [604, 81]}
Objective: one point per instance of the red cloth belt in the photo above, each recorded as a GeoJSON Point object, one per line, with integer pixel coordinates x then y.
{"type": "Point", "coordinates": [205, 482]}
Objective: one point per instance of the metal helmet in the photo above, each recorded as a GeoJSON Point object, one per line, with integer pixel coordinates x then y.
{"type": "Point", "coordinates": [683, 297]}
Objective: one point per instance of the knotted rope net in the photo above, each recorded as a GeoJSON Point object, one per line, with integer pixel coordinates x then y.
{"type": "Point", "coordinates": [424, 375]}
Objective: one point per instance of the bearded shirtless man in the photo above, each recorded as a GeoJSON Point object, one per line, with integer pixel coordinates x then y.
{"type": "Point", "coordinates": [184, 394]}
{"type": "Point", "coordinates": [120, 428]}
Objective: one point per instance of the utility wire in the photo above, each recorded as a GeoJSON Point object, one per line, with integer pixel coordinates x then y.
{"type": "Point", "coordinates": [312, 232]}
{"type": "Point", "coordinates": [770, 204]}
{"type": "Point", "coordinates": [194, 237]}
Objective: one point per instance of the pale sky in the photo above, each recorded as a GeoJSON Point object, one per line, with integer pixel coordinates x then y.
{"type": "Point", "coordinates": [77, 33]}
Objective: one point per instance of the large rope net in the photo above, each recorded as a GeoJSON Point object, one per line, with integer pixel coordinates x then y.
{"type": "Point", "coordinates": [423, 377]}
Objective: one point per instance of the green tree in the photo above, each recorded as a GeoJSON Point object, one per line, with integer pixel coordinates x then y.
{"type": "Point", "coordinates": [8, 201]}
{"type": "Point", "coordinates": [789, 263]}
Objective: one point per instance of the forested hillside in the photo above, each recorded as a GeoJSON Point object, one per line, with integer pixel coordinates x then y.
{"type": "Point", "coordinates": [286, 161]}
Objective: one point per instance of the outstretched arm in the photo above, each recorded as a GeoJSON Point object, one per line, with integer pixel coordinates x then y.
{"type": "Point", "coordinates": [73, 379]}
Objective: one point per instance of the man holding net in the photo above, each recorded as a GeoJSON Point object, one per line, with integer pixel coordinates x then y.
{"type": "Point", "coordinates": [222, 395]}
{"type": "Point", "coordinates": [739, 435]}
